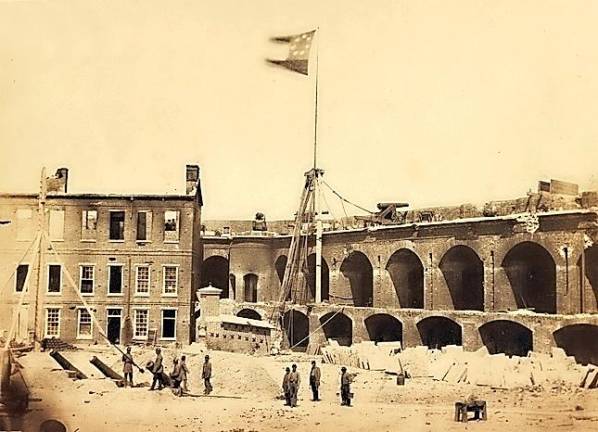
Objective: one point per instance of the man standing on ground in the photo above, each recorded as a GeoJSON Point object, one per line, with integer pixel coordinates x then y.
{"type": "Point", "coordinates": [184, 374]}
{"type": "Point", "coordinates": [345, 387]}
{"type": "Point", "coordinates": [286, 387]}
{"type": "Point", "coordinates": [314, 381]}
{"type": "Point", "coordinates": [206, 374]}
{"type": "Point", "coordinates": [175, 378]}
{"type": "Point", "coordinates": [128, 367]}
{"type": "Point", "coordinates": [157, 370]}
{"type": "Point", "coordinates": [294, 381]}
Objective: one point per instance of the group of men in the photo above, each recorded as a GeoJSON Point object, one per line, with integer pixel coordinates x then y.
{"type": "Point", "coordinates": [292, 380]}
{"type": "Point", "coordinates": [177, 379]}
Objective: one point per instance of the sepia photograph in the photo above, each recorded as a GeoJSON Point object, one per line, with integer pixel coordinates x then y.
{"type": "Point", "coordinates": [282, 215]}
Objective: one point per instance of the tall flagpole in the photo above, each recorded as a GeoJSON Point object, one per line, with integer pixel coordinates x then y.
{"type": "Point", "coordinates": [41, 229]}
{"type": "Point", "coordinates": [316, 196]}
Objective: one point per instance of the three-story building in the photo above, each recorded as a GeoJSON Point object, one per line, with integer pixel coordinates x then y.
{"type": "Point", "coordinates": [129, 257]}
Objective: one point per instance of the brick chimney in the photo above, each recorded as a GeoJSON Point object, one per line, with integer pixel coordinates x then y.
{"type": "Point", "coordinates": [192, 179]}
{"type": "Point", "coordinates": [58, 182]}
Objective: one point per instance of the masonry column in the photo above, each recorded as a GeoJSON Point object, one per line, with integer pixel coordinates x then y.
{"type": "Point", "coordinates": [543, 340]}
{"type": "Point", "coordinates": [411, 336]}
{"type": "Point", "coordinates": [386, 295]}
{"type": "Point", "coordinates": [489, 293]}
{"type": "Point", "coordinates": [360, 333]}
{"type": "Point", "coordinates": [430, 283]}
{"type": "Point", "coordinates": [471, 339]}
{"type": "Point", "coordinates": [317, 336]}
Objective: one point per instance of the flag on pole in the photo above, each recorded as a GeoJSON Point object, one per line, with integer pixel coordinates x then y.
{"type": "Point", "coordinates": [298, 57]}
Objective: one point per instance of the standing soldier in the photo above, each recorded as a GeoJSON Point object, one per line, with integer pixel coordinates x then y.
{"type": "Point", "coordinates": [294, 381]}
{"type": "Point", "coordinates": [206, 374]}
{"type": "Point", "coordinates": [157, 370]}
{"type": "Point", "coordinates": [345, 387]}
{"type": "Point", "coordinates": [184, 374]}
{"type": "Point", "coordinates": [286, 387]}
{"type": "Point", "coordinates": [128, 367]}
{"type": "Point", "coordinates": [314, 381]}
{"type": "Point", "coordinates": [175, 377]}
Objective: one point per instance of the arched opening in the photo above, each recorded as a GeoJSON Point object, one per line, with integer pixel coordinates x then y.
{"type": "Point", "coordinates": [507, 337]}
{"type": "Point", "coordinates": [384, 328]}
{"type": "Point", "coordinates": [579, 341]}
{"type": "Point", "coordinates": [591, 269]}
{"type": "Point", "coordinates": [296, 326]}
{"type": "Point", "coordinates": [249, 314]}
{"type": "Point", "coordinates": [436, 332]}
{"type": "Point", "coordinates": [358, 269]}
{"type": "Point", "coordinates": [280, 266]}
{"type": "Point", "coordinates": [464, 274]}
{"type": "Point", "coordinates": [339, 328]}
{"type": "Point", "coordinates": [311, 278]}
{"type": "Point", "coordinates": [250, 287]}
{"type": "Point", "coordinates": [407, 274]}
{"type": "Point", "coordinates": [532, 274]}
{"type": "Point", "coordinates": [214, 270]}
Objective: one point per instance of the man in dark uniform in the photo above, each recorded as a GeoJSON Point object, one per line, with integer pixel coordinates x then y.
{"type": "Point", "coordinates": [294, 381]}
{"type": "Point", "coordinates": [286, 387]}
{"type": "Point", "coordinates": [206, 374]}
{"type": "Point", "coordinates": [158, 370]}
{"type": "Point", "coordinates": [345, 387]}
{"type": "Point", "coordinates": [128, 367]}
{"type": "Point", "coordinates": [314, 381]}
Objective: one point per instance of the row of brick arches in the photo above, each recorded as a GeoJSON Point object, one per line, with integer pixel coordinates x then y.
{"type": "Point", "coordinates": [529, 268]}
{"type": "Point", "coordinates": [499, 336]}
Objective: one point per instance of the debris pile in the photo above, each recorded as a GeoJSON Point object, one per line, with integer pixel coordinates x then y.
{"type": "Point", "coordinates": [453, 365]}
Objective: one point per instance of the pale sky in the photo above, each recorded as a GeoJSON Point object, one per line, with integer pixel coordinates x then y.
{"type": "Point", "coordinates": [429, 102]}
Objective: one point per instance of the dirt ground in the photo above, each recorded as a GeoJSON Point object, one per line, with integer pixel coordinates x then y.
{"type": "Point", "coordinates": [246, 399]}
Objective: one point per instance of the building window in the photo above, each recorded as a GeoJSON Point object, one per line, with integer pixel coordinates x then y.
{"type": "Point", "coordinates": [54, 278]}
{"type": "Point", "coordinates": [115, 279]}
{"type": "Point", "coordinates": [56, 229]}
{"type": "Point", "coordinates": [89, 224]}
{"type": "Point", "coordinates": [84, 330]}
{"type": "Point", "coordinates": [168, 324]}
{"type": "Point", "coordinates": [21, 277]}
{"type": "Point", "coordinates": [52, 322]}
{"type": "Point", "coordinates": [142, 280]}
{"type": "Point", "coordinates": [141, 323]}
{"type": "Point", "coordinates": [171, 226]}
{"type": "Point", "coordinates": [86, 273]}
{"type": "Point", "coordinates": [170, 277]}
{"type": "Point", "coordinates": [24, 224]}
{"type": "Point", "coordinates": [117, 225]}
{"type": "Point", "coordinates": [144, 225]}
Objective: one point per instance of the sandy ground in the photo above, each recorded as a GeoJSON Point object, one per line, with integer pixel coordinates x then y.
{"type": "Point", "coordinates": [246, 391]}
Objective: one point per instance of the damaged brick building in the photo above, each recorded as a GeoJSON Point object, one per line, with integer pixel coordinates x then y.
{"type": "Point", "coordinates": [135, 256]}
{"type": "Point", "coordinates": [515, 275]}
